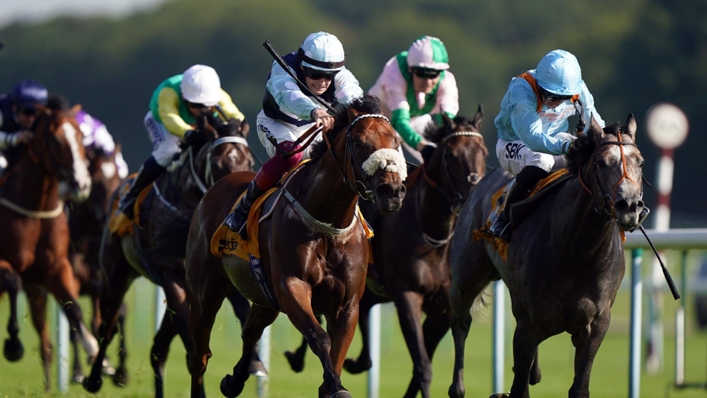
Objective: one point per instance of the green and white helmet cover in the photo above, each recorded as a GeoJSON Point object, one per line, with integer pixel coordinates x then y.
{"type": "Point", "coordinates": [428, 52]}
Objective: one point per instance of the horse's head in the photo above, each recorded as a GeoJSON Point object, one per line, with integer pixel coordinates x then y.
{"type": "Point", "coordinates": [372, 154]}
{"type": "Point", "coordinates": [58, 143]}
{"type": "Point", "coordinates": [226, 150]}
{"type": "Point", "coordinates": [459, 161]}
{"type": "Point", "coordinates": [105, 179]}
{"type": "Point", "coordinates": [612, 170]}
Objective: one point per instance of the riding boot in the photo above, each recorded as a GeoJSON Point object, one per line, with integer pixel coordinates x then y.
{"type": "Point", "coordinates": [148, 173]}
{"type": "Point", "coordinates": [525, 182]}
{"type": "Point", "coordinates": [236, 221]}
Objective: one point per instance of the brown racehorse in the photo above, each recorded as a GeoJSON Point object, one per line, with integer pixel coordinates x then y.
{"type": "Point", "coordinates": [410, 249]}
{"type": "Point", "coordinates": [565, 262]}
{"type": "Point", "coordinates": [174, 196]}
{"type": "Point", "coordinates": [313, 250]}
{"type": "Point", "coordinates": [34, 234]}
{"type": "Point", "coordinates": [86, 220]}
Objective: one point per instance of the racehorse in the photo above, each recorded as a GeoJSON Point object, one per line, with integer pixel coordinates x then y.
{"type": "Point", "coordinates": [34, 234]}
{"type": "Point", "coordinates": [410, 249]}
{"type": "Point", "coordinates": [313, 248]}
{"type": "Point", "coordinates": [86, 220]}
{"type": "Point", "coordinates": [123, 258]}
{"type": "Point", "coordinates": [565, 262]}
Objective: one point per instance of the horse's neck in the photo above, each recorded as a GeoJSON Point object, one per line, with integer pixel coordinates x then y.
{"type": "Point", "coordinates": [580, 225]}
{"type": "Point", "coordinates": [31, 186]}
{"type": "Point", "coordinates": [433, 210]}
{"type": "Point", "coordinates": [323, 193]}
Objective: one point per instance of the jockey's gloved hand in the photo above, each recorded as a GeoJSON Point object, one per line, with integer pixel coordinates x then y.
{"type": "Point", "coordinates": [20, 137]}
{"type": "Point", "coordinates": [427, 151]}
{"type": "Point", "coordinates": [194, 138]}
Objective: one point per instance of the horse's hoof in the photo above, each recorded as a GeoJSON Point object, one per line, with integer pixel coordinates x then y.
{"type": "Point", "coordinates": [120, 377]}
{"type": "Point", "coordinates": [341, 394]}
{"type": "Point", "coordinates": [230, 387]}
{"type": "Point", "coordinates": [107, 369]}
{"type": "Point", "coordinates": [355, 367]}
{"type": "Point", "coordinates": [456, 391]}
{"type": "Point", "coordinates": [257, 368]}
{"type": "Point", "coordinates": [77, 379]}
{"type": "Point", "coordinates": [501, 395]}
{"type": "Point", "coordinates": [13, 350]}
{"type": "Point", "coordinates": [296, 362]}
{"type": "Point", "coordinates": [92, 385]}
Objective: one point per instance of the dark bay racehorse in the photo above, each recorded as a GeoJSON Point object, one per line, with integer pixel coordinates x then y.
{"type": "Point", "coordinates": [410, 249]}
{"type": "Point", "coordinates": [34, 233]}
{"type": "Point", "coordinates": [565, 262]}
{"type": "Point", "coordinates": [86, 220]}
{"type": "Point", "coordinates": [313, 250]}
{"type": "Point", "coordinates": [174, 195]}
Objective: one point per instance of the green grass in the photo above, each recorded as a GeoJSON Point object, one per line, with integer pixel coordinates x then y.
{"type": "Point", "coordinates": [609, 376]}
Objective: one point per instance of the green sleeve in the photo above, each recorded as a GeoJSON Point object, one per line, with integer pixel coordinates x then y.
{"type": "Point", "coordinates": [401, 123]}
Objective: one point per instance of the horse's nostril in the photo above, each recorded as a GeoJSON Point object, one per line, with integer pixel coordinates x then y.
{"type": "Point", "coordinates": [621, 205]}
{"type": "Point", "coordinates": [401, 191]}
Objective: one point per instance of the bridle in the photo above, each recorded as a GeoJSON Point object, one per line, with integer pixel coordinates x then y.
{"type": "Point", "coordinates": [359, 186]}
{"type": "Point", "coordinates": [455, 197]}
{"type": "Point", "coordinates": [208, 172]}
{"type": "Point", "coordinates": [606, 200]}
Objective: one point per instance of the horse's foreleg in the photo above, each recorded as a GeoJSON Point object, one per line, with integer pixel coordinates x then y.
{"type": "Point", "coordinates": [296, 303]}
{"type": "Point", "coordinates": [587, 344]}
{"type": "Point", "coordinates": [241, 305]}
{"type": "Point", "coordinates": [363, 362]}
{"type": "Point", "coordinates": [461, 301]}
{"type": "Point", "coordinates": [11, 282]}
{"type": "Point", "coordinates": [120, 377]}
{"type": "Point", "coordinates": [37, 297]}
{"type": "Point", "coordinates": [203, 306]}
{"type": "Point", "coordinates": [258, 319]}
{"type": "Point", "coordinates": [409, 306]}
{"type": "Point", "coordinates": [525, 348]}
{"type": "Point", "coordinates": [341, 330]}
{"type": "Point", "coordinates": [160, 350]}
{"type": "Point", "coordinates": [77, 376]}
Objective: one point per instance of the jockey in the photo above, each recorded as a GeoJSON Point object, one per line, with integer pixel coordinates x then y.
{"type": "Point", "coordinates": [533, 132]}
{"type": "Point", "coordinates": [288, 111]}
{"type": "Point", "coordinates": [174, 106]}
{"type": "Point", "coordinates": [415, 88]}
{"type": "Point", "coordinates": [96, 135]}
{"type": "Point", "coordinates": [17, 115]}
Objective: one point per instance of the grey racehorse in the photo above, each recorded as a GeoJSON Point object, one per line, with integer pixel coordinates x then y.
{"type": "Point", "coordinates": [565, 262]}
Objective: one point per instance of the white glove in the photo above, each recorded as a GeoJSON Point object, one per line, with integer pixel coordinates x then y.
{"type": "Point", "coordinates": [20, 137]}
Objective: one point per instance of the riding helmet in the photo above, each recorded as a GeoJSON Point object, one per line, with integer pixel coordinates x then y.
{"type": "Point", "coordinates": [428, 52]}
{"type": "Point", "coordinates": [201, 85]}
{"type": "Point", "coordinates": [559, 73]}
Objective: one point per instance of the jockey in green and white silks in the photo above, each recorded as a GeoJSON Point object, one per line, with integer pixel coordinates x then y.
{"type": "Point", "coordinates": [415, 87]}
{"type": "Point", "coordinates": [533, 131]}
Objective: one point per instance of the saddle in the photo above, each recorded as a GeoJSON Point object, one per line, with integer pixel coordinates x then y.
{"type": "Point", "coordinates": [120, 226]}
{"type": "Point", "coordinates": [519, 211]}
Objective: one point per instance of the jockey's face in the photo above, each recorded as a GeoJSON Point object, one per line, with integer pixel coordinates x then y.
{"type": "Point", "coordinates": [553, 101]}
{"type": "Point", "coordinates": [424, 80]}
{"type": "Point", "coordinates": [197, 109]}
{"type": "Point", "coordinates": [318, 86]}
{"type": "Point", "coordinates": [25, 116]}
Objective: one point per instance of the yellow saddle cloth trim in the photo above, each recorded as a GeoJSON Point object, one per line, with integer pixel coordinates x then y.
{"type": "Point", "coordinates": [119, 224]}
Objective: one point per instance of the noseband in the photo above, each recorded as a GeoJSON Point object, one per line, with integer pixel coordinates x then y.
{"type": "Point", "coordinates": [607, 201]}
{"type": "Point", "coordinates": [359, 186]}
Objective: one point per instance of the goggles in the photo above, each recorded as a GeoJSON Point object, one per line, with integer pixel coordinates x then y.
{"type": "Point", "coordinates": [316, 74]}
{"type": "Point", "coordinates": [425, 73]}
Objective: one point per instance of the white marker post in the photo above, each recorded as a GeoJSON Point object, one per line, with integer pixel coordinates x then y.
{"type": "Point", "coordinates": [667, 127]}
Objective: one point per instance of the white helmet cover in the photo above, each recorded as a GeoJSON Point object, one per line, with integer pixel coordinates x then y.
{"type": "Point", "coordinates": [201, 85]}
{"type": "Point", "coordinates": [322, 51]}
{"type": "Point", "coordinates": [428, 52]}
{"type": "Point", "coordinates": [559, 73]}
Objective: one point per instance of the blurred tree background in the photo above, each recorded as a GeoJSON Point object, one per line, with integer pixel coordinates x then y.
{"type": "Point", "coordinates": [633, 54]}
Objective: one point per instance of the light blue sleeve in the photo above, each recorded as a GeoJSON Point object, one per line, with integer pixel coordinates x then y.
{"type": "Point", "coordinates": [589, 108]}
{"type": "Point", "coordinates": [346, 86]}
{"type": "Point", "coordinates": [527, 124]}
{"type": "Point", "coordinates": [288, 95]}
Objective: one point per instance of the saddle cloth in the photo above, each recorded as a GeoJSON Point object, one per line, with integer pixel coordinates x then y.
{"type": "Point", "coordinates": [120, 225]}
{"type": "Point", "coordinates": [498, 201]}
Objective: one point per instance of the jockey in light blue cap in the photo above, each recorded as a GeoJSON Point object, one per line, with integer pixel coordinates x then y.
{"type": "Point", "coordinates": [533, 132]}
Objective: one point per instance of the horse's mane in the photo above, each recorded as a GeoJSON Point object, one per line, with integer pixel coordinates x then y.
{"type": "Point", "coordinates": [368, 104]}
{"type": "Point", "coordinates": [437, 134]}
{"type": "Point", "coordinates": [584, 147]}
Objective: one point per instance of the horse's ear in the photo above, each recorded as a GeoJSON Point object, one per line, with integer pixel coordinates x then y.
{"type": "Point", "coordinates": [244, 128]}
{"type": "Point", "coordinates": [43, 109]}
{"type": "Point", "coordinates": [447, 121]}
{"type": "Point", "coordinates": [631, 126]}
{"type": "Point", "coordinates": [595, 130]}
{"type": "Point", "coordinates": [478, 117]}
{"type": "Point", "coordinates": [353, 113]}
{"type": "Point", "coordinates": [75, 109]}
